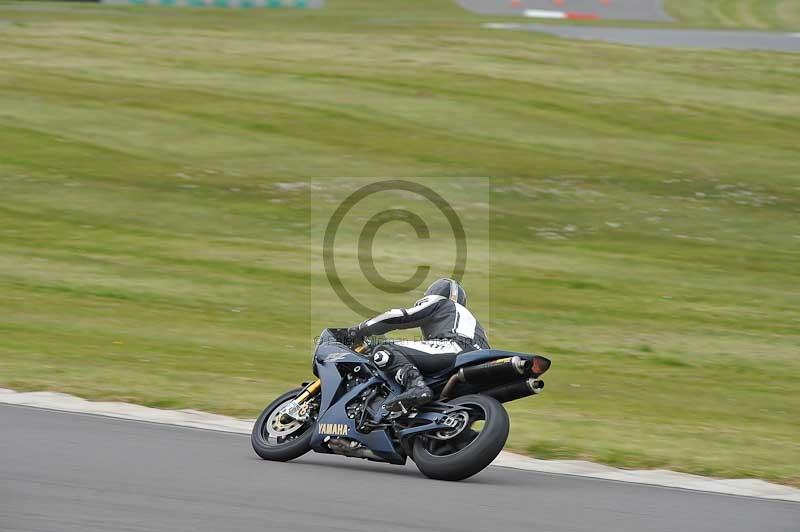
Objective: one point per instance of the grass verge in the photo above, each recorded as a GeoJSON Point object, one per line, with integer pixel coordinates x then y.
{"type": "Point", "coordinates": [750, 14]}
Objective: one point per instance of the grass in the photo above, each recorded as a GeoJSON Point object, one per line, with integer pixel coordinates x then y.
{"type": "Point", "coordinates": [154, 228]}
{"type": "Point", "coordinates": [753, 14]}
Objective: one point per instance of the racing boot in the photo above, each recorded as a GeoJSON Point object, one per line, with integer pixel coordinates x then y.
{"type": "Point", "coordinates": [417, 393]}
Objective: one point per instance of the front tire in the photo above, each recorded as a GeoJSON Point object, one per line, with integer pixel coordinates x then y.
{"type": "Point", "coordinates": [471, 451]}
{"type": "Point", "coordinates": [273, 440]}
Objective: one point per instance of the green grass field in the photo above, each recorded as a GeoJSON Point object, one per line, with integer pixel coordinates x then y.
{"type": "Point", "coordinates": [154, 225]}
{"type": "Point", "coordinates": [752, 14]}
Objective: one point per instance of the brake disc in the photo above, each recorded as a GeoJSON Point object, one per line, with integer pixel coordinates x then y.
{"type": "Point", "coordinates": [277, 428]}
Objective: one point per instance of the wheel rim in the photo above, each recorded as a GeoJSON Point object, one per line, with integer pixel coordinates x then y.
{"type": "Point", "coordinates": [466, 435]}
{"type": "Point", "coordinates": [275, 432]}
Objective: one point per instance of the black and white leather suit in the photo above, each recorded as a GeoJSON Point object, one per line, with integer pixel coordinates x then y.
{"type": "Point", "coordinates": [447, 326]}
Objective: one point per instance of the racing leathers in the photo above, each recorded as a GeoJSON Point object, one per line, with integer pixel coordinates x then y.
{"type": "Point", "coordinates": [447, 328]}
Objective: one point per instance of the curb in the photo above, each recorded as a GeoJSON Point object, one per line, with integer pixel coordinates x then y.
{"type": "Point", "coordinates": [204, 420]}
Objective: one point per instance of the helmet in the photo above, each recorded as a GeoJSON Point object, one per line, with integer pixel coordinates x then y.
{"type": "Point", "coordinates": [448, 288]}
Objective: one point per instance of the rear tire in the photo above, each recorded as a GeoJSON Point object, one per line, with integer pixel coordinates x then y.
{"type": "Point", "coordinates": [281, 449]}
{"type": "Point", "coordinates": [478, 449]}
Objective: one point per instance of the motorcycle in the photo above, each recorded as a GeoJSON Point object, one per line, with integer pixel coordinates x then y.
{"type": "Point", "coordinates": [452, 438]}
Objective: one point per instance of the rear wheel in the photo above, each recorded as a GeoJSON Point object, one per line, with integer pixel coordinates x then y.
{"type": "Point", "coordinates": [275, 437]}
{"type": "Point", "coordinates": [478, 437]}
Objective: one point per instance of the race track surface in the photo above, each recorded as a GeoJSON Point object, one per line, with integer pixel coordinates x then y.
{"type": "Point", "coordinates": [714, 39]}
{"type": "Point", "coordinates": [73, 472]}
{"type": "Point", "coordinates": [608, 9]}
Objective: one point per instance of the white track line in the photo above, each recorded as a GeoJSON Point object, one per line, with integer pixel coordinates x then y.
{"type": "Point", "coordinates": [542, 13]}
{"type": "Point", "coordinates": [571, 15]}
{"type": "Point", "coordinates": [204, 420]}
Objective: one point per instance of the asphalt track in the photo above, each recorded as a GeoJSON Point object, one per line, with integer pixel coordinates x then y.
{"type": "Point", "coordinates": [715, 39]}
{"type": "Point", "coordinates": [650, 10]}
{"type": "Point", "coordinates": [75, 472]}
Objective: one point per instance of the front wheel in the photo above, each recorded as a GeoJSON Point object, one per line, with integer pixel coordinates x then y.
{"type": "Point", "coordinates": [470, 447]}
{"type": "Point", "coordinates": [275, 438]}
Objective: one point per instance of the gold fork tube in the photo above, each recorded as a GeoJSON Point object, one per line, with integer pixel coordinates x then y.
{"type": "Point", "coordinates": [310, 391]}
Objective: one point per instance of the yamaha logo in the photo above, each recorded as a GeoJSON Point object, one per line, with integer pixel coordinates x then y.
{"type": "Point", "coordinates": [333, 429]}
{"type": "Point", "coordinates": [335, 357]}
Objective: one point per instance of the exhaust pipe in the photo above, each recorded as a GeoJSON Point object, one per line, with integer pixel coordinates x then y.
{"type": "Point", "coordinates": [515, 390]}
{"type": "Point", "coordinates": [352, 448]}
{"type": "Point", "coordinates": [496, 370]}
{"type": "Point", "coordinates": [488, 373]}
{"type": "Point", "coordinates": [501, 370]}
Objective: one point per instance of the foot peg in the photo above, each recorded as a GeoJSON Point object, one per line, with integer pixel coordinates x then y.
{"type": "Point", "coordinates": [409, 399]}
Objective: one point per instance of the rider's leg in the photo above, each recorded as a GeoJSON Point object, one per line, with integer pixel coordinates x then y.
{"type": "Point", "coordinates": [392, 360]}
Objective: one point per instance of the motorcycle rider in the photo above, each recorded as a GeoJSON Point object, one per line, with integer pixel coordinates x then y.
{"type": "Point", "coordinates": [447, 328]}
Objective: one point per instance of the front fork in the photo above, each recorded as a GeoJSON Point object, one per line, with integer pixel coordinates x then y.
{"type": "Point", "coordinates": [297, 409]}
{"type": "Point", "coordinates": [311, 391]}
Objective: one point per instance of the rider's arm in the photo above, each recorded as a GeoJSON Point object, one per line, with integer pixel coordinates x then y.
{"type": "Point", "coordinates": [402, 318]}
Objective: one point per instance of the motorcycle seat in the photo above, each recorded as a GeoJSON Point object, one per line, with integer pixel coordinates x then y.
{"type": "Point", "coordinates": [431, 363]}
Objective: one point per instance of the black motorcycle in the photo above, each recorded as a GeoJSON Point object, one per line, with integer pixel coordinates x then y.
{"type": "Point", "coordinates": [451, 438]}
